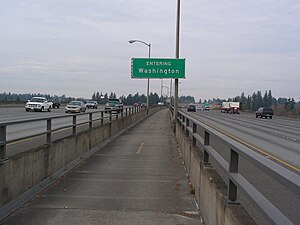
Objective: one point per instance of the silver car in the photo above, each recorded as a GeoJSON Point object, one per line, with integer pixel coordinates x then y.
{"type": "Point", "coordinates": [75, 107]}
{"type": "Point", "coordinates": [92, 104]}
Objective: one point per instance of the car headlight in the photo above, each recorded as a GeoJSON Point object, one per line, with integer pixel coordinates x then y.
{"type": "Point", "coordinates": [38, 106]}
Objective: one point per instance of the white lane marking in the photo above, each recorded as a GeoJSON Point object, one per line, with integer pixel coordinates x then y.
{"type": "Point", "coordinates": [140, 148]}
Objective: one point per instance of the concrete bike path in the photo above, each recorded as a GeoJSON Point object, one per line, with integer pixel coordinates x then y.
{"type": "Point", "coordinates": [136, 179]}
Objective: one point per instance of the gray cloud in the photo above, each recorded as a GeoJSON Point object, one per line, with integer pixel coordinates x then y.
{"type": "Point", "coordinates": [76, 47]}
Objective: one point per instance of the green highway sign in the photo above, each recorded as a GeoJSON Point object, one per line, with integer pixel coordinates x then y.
{"type": "Point", "coordinates": [157, 68]}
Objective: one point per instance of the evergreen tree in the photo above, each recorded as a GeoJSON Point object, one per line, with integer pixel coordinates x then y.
{"type": "Point", "coordinates": [270, 98]}
{"type": "Point", "coordinates": [266, 99]}
{"type": "Point", "coordinates": [259, 99]}
{"type": "Point", "coordinates": [254, 106]}
{"type": "Point", "coordinates": [243, 101]}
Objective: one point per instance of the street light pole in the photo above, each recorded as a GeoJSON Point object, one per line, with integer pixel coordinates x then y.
{"type": "Point", "coordinates": [149, 53]}
{"type": "Point", "coordinates": [177, 56]}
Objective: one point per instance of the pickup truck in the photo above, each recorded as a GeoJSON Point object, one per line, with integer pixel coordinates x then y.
{"type": "Point", "coordinates": [38, 104]}
{"type": "Point", "coordinates": [114, 104]}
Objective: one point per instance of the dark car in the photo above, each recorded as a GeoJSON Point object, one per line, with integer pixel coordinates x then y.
{"type": "Point", "coordinates": [264, 112]}
{"type": "Point", "coordinates": [56, 104]}
{"type": "Point", "coordinates": [191, 108]}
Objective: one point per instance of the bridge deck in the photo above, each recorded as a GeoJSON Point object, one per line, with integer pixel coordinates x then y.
{"type": "Point", "coordinates": [137, 179]}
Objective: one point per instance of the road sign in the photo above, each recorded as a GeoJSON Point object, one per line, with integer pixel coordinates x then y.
{"type": "Point", "coordinates": [157, 68]}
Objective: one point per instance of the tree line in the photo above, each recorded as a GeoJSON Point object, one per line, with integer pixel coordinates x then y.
{"type": "Point", "coordinates": [129, 99]}
{"type": "Point", "coordinates": [252, 102]}
{"type": "Point", "coordinates": [257, 99]}
{"type": "Point", "coordinates": [248, 103]}
{"type": "Point", "coordinates": [100, 97]}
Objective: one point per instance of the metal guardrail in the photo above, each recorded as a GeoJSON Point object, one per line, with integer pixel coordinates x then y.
{"type": "Point", "coordinates": [104, 114]}
{"type": "Point", "coordinates": [236, 182]}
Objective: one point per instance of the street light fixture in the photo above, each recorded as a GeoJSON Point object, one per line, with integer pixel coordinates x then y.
{"type": "Point", "coordinates": [149, 52]}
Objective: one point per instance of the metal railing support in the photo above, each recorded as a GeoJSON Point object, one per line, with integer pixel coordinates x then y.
{"type": "Point", "coordinates": [206, 138]}
{"type": "Point", "coordinates": [74, 125]}
{"type": "Point", "coordinates": [233, 168]}
{"type": "Point", "coordinates": [90, 121]}
{"type": "Point", "coordinates": [102, 115]}
{"type": "Point", "coordinates": [206, 143]}
{"type": "Point", "coordinates": [232, 192]}
{"type": "Point", "coordinates": [3, 139]}
{"type": "Point", "coordinates": [194, 132]}
{"type": "Point", "coordinates": [49, 128]}
{"type": "Point", "coordinates": [234, 162]}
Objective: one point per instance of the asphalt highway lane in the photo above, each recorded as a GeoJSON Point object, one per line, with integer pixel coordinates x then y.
{"type": "Point", "coordinates": [32, 128]}
{"type": "Point", "coordinates": [137, 179]}
{"type": "Point", "coordinates": [278, 137]}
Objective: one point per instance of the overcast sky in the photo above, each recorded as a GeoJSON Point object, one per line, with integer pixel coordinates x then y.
{"type": "Point", "coordinates": [77, 47]}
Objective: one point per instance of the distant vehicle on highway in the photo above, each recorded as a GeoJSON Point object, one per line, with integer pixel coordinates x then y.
{"type": "Point", "coordinates": [75, 107]}
{"type": "Point", "coordinates": [38, 104]}
{"type": "Point", "coordinates": [191, 108]}
{"type": "Point", "coordinates": [264, 112]}
{"type": "Point", "coordinates": [114, 104]}
{"type": "Point", "coordinates": [136, 104]}
{"type": "Point", "coordinates": [56, 104]}
{"type": "Point", "coordinates": [92, 104]}
{"type": "Point", "coordinates": [231, 107]}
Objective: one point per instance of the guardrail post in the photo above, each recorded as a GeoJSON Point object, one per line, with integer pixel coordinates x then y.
{"type": "Point", "coordinates": [183, 122]}
{"type": "Point", "coordinates": [187, 125]}
{"type": "Point", "coordinates": [117, 115]}
{"type": "Point", "coordinates": [2, 139]}
{"type": "Point", "coordinates": [206, 142]}
{"type": "Point", "coordinates": [194, 132]}
{"type": "Point", "coordinates": [74, 125]}
{"type": "Point", "coordinates": [233, 168]}
{"type": "Point", "coordinates": [232, 192]}
{"type": "Point", "coordinates": [49, 131]}
{"type": "Point", "coordinates": [102, 115]}
{"type": "Point", "coordinates": [110, 116]}
{"type": "Point", "coordinates": [126, 111]}
{"type": "Point", "coordinates": [234, 162]}
{"type": "Point", "coordinates": [91, 121]}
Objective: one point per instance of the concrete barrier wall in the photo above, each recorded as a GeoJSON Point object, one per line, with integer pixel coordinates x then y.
{"type": "Point", "coordinates": [26, 170]}
{"type": "Point", "coordinates": [210, 188]}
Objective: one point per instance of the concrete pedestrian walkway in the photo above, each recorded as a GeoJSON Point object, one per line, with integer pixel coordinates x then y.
{"type": "Point", "coordinates": [137, 179]}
